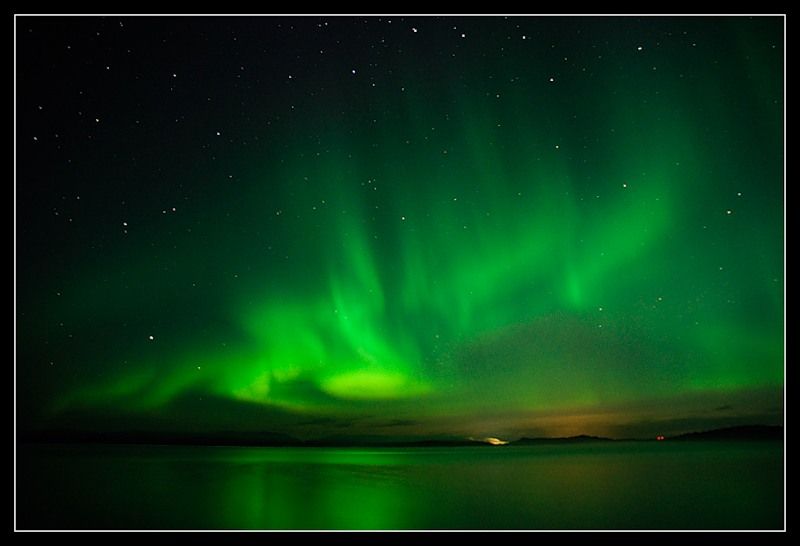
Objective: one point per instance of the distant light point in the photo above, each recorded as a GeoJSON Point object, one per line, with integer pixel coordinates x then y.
{"type": "Point", "coordinates": [151, 338]}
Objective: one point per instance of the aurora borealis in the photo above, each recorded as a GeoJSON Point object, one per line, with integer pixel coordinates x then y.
{"type": "Point", "coordinates": [400, 226]}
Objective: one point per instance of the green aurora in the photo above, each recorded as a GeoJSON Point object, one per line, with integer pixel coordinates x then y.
{"type": "Point", "coordinates": [544, 226]}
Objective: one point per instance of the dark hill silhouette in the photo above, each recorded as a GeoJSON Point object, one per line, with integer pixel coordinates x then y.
{"type": "Point", "coordinates": [222, 438]}
{"type": "Point", "coordinates": [266, 439]}
{"type": "Point", "coordinates": [231, 438]}
{"type": "Point", "coordinates": [583, 438]}
{"type": "Point", "coordinates": [744, 432]}
{"type": "Point", "coordinates": [372, 442]}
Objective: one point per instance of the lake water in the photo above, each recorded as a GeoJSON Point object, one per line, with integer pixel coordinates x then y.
{"type": "Point", "coordinates": [614, 485]}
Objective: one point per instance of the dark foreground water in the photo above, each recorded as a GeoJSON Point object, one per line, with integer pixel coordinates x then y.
{"type": "Point", "coordinates": [624, 485]}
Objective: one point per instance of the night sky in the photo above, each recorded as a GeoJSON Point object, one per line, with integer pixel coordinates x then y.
{"type": "Point", "coordinates": [399, 226]}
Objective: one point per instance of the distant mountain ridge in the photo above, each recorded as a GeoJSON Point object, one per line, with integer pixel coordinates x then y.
{"type": "Point", "coordinates": [583, 438]}
{"type": "Point", "coordinates": [743, 432]}
{"type": "Point", "coordinates": [231, 438]}
{"type": "Point", "coordinates": [271, 439]}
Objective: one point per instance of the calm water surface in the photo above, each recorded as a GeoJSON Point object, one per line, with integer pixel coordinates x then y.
{"type": "Point", "coordinates": [622, 485]}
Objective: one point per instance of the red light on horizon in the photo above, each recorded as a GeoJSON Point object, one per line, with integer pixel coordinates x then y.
{"type": "Point", "coordinates": [660, 438]}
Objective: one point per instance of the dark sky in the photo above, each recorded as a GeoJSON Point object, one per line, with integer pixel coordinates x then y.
{"type": "Point", "coordinates": [470, 226]}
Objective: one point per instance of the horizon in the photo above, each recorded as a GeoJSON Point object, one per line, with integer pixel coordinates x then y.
{"type": "Point", "coordinates": [271, 439]}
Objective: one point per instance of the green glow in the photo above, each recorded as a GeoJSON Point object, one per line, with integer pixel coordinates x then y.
{"type": "Point", "coordinates": [483, 248]}
{"type": "Point", "coordinates": [368, 385]}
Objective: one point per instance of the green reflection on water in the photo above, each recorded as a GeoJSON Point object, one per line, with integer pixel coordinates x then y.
{"type": "Point", "coordinates": [623, 485]}
{"type": "Point", "coordinates": [314, 489]}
